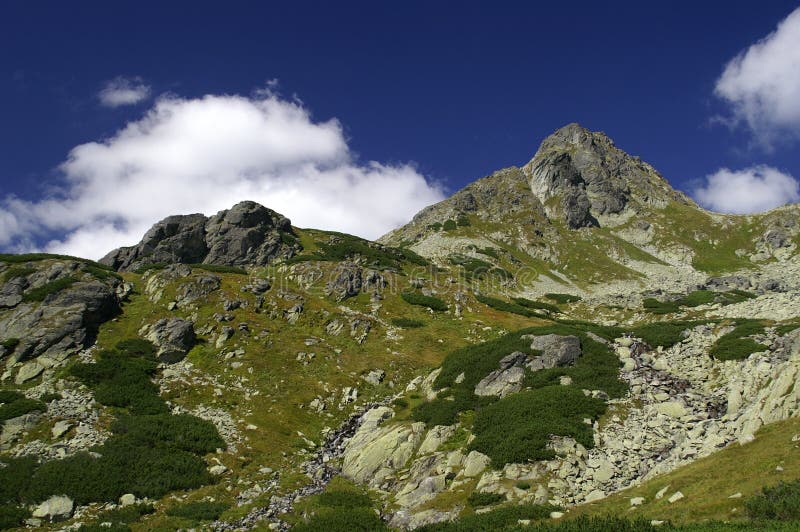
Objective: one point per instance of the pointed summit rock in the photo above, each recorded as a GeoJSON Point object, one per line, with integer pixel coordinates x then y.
{"type": "Point", "coordinates": [246, 234]}
{"type": "Point", "coordinates": [581, 177]}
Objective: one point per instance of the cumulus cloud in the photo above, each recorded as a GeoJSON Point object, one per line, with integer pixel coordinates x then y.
{"type": "Point", "coordinates": [754, 189]}
{"type": "Point", "coordinates": [123, 91]}
{"type": "Point", "coordinates": [762, 84]}
{"type": "Point", "coordinates": [204, 155]}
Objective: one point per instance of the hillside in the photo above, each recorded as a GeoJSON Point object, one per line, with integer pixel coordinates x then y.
{"type": "Point", "coordinates": [545, 344]}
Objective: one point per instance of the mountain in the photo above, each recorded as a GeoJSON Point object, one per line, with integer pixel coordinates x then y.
{"type": "Point", "coordinates": [568, 338]}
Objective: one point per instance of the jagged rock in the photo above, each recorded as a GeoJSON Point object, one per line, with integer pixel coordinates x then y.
{"type": "Point", "coordinates": [345, 281]}
{"type": "Point", "coordinates": [556, 351]}
{"type": "Point", "coordinates": [15, 426]}
{"type": "Point", "coordinates": [173, 337]}
{"type": "Point", "coordinates": [435, 437]}
{"type": "Point", "coordinates": [334, 327]}
{"type": "Point", "coordinates": [56, 508]}
{"type": "Point", "coordinates": [127, 499]}
{"type": "Point", "coordinates": [217, 470]}
{"type": "Point", "coordinates": [229, 305]}
{"type": "Point", "coordinates": [60, 428]}
{"type": "Point", "coordinates": [224, 335]}
{"type": "Point", "coordinates": [777, 238]}
{"type": "Point", "coordinates": [293, 314]}
{"type": "Point", "coordinates": [508, 379]}
{"type": "Point", "coordinates": [246, 234]}
{"type": "Point", "coordinates": [257, 286]}
{"type": "Point", "coordinates": [637, 501]}
{"type": "Point", "coordinates": [200, 286]}
{"type": "Point", "coordinates": [359, 329]}
{"type": "Point", "coordinates": [375, 377]}
{"type": "Point", "coordinates": [28, 371]}
{"type": "Point", "coordinates": [474, 464]}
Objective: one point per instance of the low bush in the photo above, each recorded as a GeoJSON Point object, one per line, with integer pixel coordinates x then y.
{"type": "Point", "coordinates": [343, 511]}
{"type": "Point", "coordinates": [147, 267]}
{"type": "Point", "coordinates": [10, 344]}
{"type": "Point", "coordinates": [119, 517]}
{"type": "Point", "coordinates": [503, 518]}
{"type": "Point", "coordinates": [506, 306]}
{"type": "Point", "coordinates": [463, 221]}
{"type": "Point", "coordinates": [527, 303]}
{"type": "Point", "coordinates": [12, 516]}
{"type": "Point", "coordinates": [407, 323]}
{"type": "Point", "coordinates": [736, 345]}
{"type": "Point", "coordinates": [35, 257]}
{"type": "Point", "coordinates": [48, 397]}
{"type": "Point", "coordinates": [415, 298]}
{"type": "Point", "coordinates": [344, 247]}
{"type": "Point", "coordinates": [450, 225]}
{"type": "Point", "coordinates": [780, 502]}
{"type": "Point", "coordinates": [400, 403]}
{"type": "Point", "coordinates": [518, 427]}
{"type": "Point", "coordinates": [183, 432]}
{"type": "Point", "coordinates": [53, 287]}
{"type": "Point", "coordinates": [344, 499]}
{"type": "Point", "coordinates": [219, 268]}
{"type": "Point", "coordinates": [101, 273]}
{"type": "Point", "coordinates": [477, 498]}
{"type": "Point", "coordinates": [17, 271]}
{"type": "Point", "coordinates": [695, 299]}
{"type": "Point", "coordinates": [20, 407]}
{"type": "Point", "coordinates": [523, 485]}
{"type": "Point", "coordinates": [199, 511]}
{"type": "Point", "coordinates": [563, 298]}
{"type": "Point", "coordinates": [489, 252]}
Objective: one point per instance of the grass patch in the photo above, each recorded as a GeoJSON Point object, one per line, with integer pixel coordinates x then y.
{"type": "Point", "coordinates": [219, 268]}
{"type": "Point", "coordinates": [527, 303]}
{"type": "Point", "coordinates": [736, 345]}
{"type": "Point", "coordinates": [695, 299]}
{"type": "Point", "coordinates": [157, 266]}
{"type": "Point", "coordinates": [506, 306]}
{"type": "Point", "coordinates": [14, 404]}
{"type": "Point", "coordinates": [477, 268]}
{"type": "Point", "coordinates": [562, 299]}
{"type": "Point", "coordinates": [407, 323]}
{"type": "Point", "coordinates": [431, 302]}
{"type": "Point", "coordinates": [198, 511]}
{"type": "Point", "coordinates": [504, 518]}
{"type": "Point", "coordinates": [119, 518]}
{"type": "Point", "coordinates": [343, 247]}
{"type": "Point", "coordinates": [17, 271]}
{"type": "Point", "coordinates": [53, 287]}
{"type": "Point", "coordinates": [341, 509]}
{"type": "Point", "coordinates": [35, 257]}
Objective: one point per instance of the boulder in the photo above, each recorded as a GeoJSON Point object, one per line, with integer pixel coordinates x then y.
{"type": "Point", "coordinates": [508, 379]}
{"type": "Point", "coordinates": [56, 508]}
{"type": "Point", "coordinates": [556, 351]}
{"type": "Point", "coordinates": [127, 500]}
{"type": "Point", "coordinates": [345, 281]}
{"type": "Point", "coordinates": [173, 337]}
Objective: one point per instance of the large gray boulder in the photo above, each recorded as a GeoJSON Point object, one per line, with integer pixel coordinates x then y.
{"type": "Point", "coordinates": [246, 234]}
{"type": "Point", "coordinates": [505, 380]}
{"type": "Point", "coordinates": [556, 351]}
{"type": "Point", "coordinates": [65, 320]}
{"type": "Point", "coordinates": [56, 508]}
{"type": "Point", "coordinates": [173, 337]}
{"type": "Point", "coordinates": [346, 281]}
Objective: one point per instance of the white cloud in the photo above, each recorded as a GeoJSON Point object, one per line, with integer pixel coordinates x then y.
{"type": "Point", "coordinates": [123, 91]}
{"type": "Point", "coordinates": [204, 155]}
{"type": "Point", "coordinates": [762, 84]}
{"type": "Point", "coordinates": [754, 189]}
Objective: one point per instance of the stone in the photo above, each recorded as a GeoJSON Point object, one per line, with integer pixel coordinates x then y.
{"type": "Point", "coordinates": [475, 463]}
{"type": "Point", "coordinates": [56, 508]}
{"type": "Point", "coordinates": [224, 335]}
{"type": "Point", "coordinates": [29, 371]}
{"type": "Point", "coordinates": [637, 501]}
{"type": "Point", "coordinates": [375, 377]}
{"type": "Point", "coordinates": [595, 495]}
{"type": "Point", "coordinates": [507, 379]}
{"type": "Point", "coordinates": [737, 495]}
{"type": "Point", "coordinates": [435, 437]}
{"type": "Point", "coordinates": [345, 282]}
{"type": "Point", "coordinates": [673, 409]}
{"type": "Point", "coordinates": [173, 337]}
{"type": "Point", "coordinates": [127, 499]}
{"type": "Point", "coordinates": [663, 491]}
{"type": "Point", "coordinates": [556, 515]}
{"type": "Point", "coordinates": [675, 497]}
{"type": "Point", "coordinates": [61, 428]}
{"type": "Point", "coordinates": [217, 470]}
{"type": "Point", "coordinates": [557, 351]}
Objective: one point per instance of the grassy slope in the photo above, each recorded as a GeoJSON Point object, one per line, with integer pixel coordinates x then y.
{"type": "Point", "coordinates": [708, 482]}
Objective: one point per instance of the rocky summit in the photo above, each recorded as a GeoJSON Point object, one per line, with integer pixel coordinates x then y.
{"type": "Point", "coordinates": [569, 344]}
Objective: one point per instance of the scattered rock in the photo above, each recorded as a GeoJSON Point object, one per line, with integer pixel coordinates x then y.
{"type": "Point", "coordinates": [56, 508]}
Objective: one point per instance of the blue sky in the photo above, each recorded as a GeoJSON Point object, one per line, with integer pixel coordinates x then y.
{"type": "Point", "coordinates": [367, 111]}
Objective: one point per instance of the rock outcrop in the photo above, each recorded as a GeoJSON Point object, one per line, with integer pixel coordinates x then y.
{"type": "Point", "coordinates": [173, 337]}
{"type": "Point", "coordinates": [247, 234]}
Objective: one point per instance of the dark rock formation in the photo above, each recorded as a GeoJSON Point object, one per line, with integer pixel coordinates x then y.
{"type": "Point", "coordinates": [246, 234]}
{"type": "Point", "coordinates": [173, 337]}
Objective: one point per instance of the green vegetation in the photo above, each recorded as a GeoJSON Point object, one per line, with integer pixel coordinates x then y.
{"type": "Point", "coordinates": [198, 511]}
{"type": "Point", "coordinates": [449, 225]}
{"type": "Point", "coordinates": [118, 518]}
{"type": "Point", "coordinates": [736, 345]}
{"type": "Point", "coordinates": [147, 267]}
{"type": "Point", "coordinates": [342, 247]}
{"type": "Point", "coordinates": [695, 299]}
{"type": "Point", "coordinates": [503, 518]}
{"type": "Point", "coordinates": [563, 298]}
{"type": "Point", "coordinates": [478, 498]}
{"type": "Point", "coordinates": [14, 404]}
{"type": "Point", "coordinates": [505, 306]}
{"type": "Point", "coordinates": [518, 427]}
{"type": "Point", "coordinates": [52, 396]}
{"type": "Point", "coordinates": [342, 509]}
{"type": "Point", "coordinates": [41, 292]}
{"type": "Point", "coordinates": [407, 323]}
{"type": "Point", "coordinates": [149, 453]}
{"type": "Point", "coordinates": [489, 252]}
{"type": "Point", "coordinates": [35, 257]}
{"type": "Point", "coordinates": [17, 271]}
{"type": "Point", "coordinates": [477, 268]}
{"type": "Point", "coordinates": [219, 268]}
{"type": "Point", "coordinates": [780, 502]}
{"type": "Point", "coordinates": [415, 298]}
{"type": "Point", "coordinates": [786, 328]}
{"type": "Point", "coordinates": [101, 273]}
{"type": "Point", "coordinates": [463, 221]}
{"type": "Point", "coordinates": [523, 485]}
{"type": "Point", "coordinates": [527, 303]}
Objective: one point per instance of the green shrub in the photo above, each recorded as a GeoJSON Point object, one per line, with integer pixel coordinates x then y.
{"type": "Point", "coordinates": [477, 498]}
{"type": "Point", "coordinates": [523, 485]}
{"type": "Point", "coordinates": [220, 268]}
{"type": "Point", "coordinates": [199, 511]}
{"type": "Point", "coordinates": [51, 396]}
{"type": "Point", "coordinates": [415, 298]}
{"type": "Point", "coordinates": [184, 432]}
{"type": "Point", "coordinates": [436, 226]}
{"type": "Point", "coordinates": [563, 298]}
{"type": "Point", "coordinates": [12, 516]}
{"type": "Point", "coordinates": [101, 273]}
{"type": "Point", "coordinates": [780, 502]}
{"type": "Point", "coordinates": [666, 333]}
{"type": "Point", "coordinates": [35, 257]}
{"type": "Point", "coordinates": [124, 515]}
{"type": "Point", "coordinates": [786, 328]}
{"type": "Point", "coordinates": [449, 225]}
{"type": "Point", "coordinates": [489, 252]}
{"type": "Point", "coordinates": [518, 427]}
{"type": "Point", "coordinates": [445, 408]}
{"type": "Point", "coordinates": [344, 247]}
{"type": "Point", "coordinates": [343, 510]}
{"type": "Point", "coordinates": [503, 518]}
{"type": "Point", "coordinates": [527, 303]}
{"type": "Point", "coordinates": [53, 287]}
{"type": "Point", "coordinates": [463, 221]}
{"type": "Point", "coordinates": [344, 499]}
{"type": "Point", "coordinates": [407, 323]}
{"type": "Point", "coordinates": [17, 271]}
{"type": "Point", "coordinates": [654, 306]}
{"type": "Point", "coordinates": [147, 267]}
{"type": "Point", "coordinates": [505, 306]}
{"type": "Point", "coordinates": [736, 345]}
{"type": "Point", "coordinates": [20, 407]}
{"type": "Point", "coordinates": [15, 475]}
{"type": "Point", "coordinates": [10, 344]}
{"type": "Point", "coordinates": [400, 403]}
